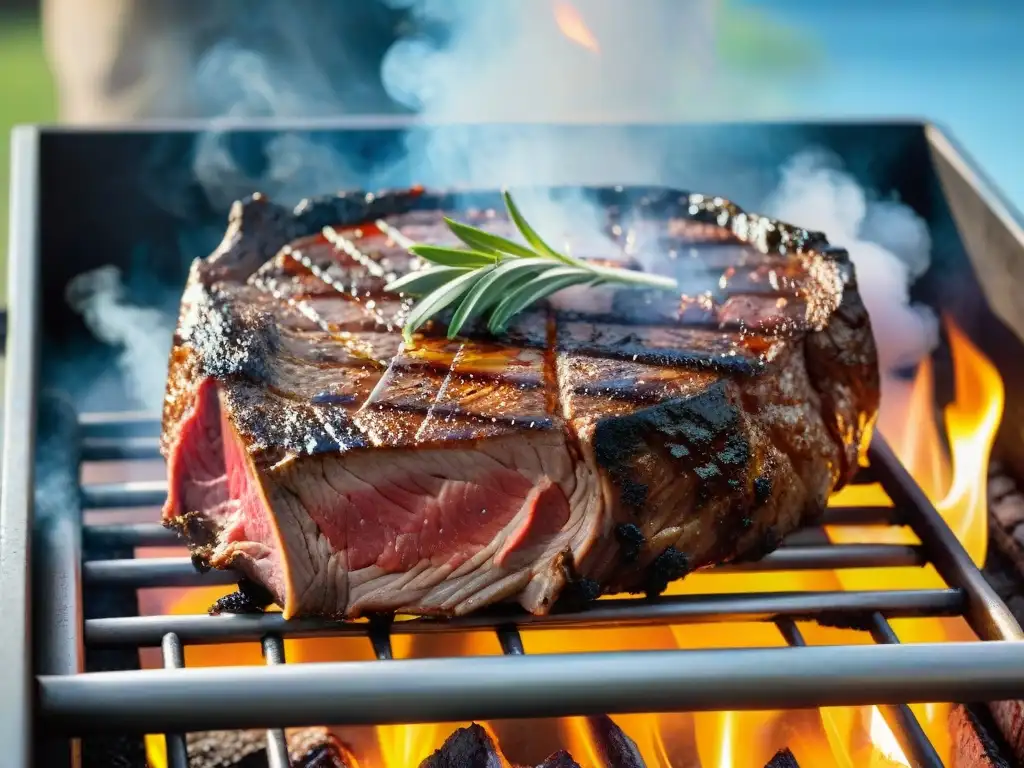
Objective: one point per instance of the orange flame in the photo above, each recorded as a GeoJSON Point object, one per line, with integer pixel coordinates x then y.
{"type": "Point", "coordinates": [845, 737]}
{"type": "Point", "coordinates": [571, 24]}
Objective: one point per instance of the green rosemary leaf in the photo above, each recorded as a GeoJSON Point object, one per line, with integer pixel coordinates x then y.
{"type": "Point", "coordinates": [529, 233]}
{"type": "Point", "coordinates": [485, 241]}
{"type": "Point", "coordinates": [453, 257]}
{"type": "Point", "coordinates": [493, 287]}
{"type": "Point", "coordinates": [423, 281]}
{"type": "Point", "coordinates": [500, 276]}
{"type": "Point", "coordinates": [437, 301]}
{"type": "Point", "coordinates": [534, 290]}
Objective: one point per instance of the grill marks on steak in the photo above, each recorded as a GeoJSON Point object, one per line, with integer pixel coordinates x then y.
{"type": "Point", "coordinates": [614, 448]}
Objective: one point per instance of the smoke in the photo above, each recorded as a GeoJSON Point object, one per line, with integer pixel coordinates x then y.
{"type": "Point", "coordinates": [461, 62]}
{"type": "Point", "coordinates": [512, 61]}
{"type": "Point", "coordinates": [142, 333]}
{"type": "Point", "coordinates": [237, 83]}
{"type": "Point", "coordinates": [888, 243]}
{"type": "Point", "coordinates": [653, 63]}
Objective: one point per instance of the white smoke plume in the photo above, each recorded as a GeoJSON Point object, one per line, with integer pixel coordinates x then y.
{"type": "Point", "coordinates": [141, 333]}
{"type": "Point", "coordinates": [888, 244]}
{"type": "Point", "coordinates": [647, 60]}
{"type": "Point", "coordinates": [245, 84]}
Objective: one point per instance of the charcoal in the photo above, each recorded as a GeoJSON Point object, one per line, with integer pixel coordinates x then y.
{"type": "Point", "coordinates": [783, 759]}
{"type": "Point", "coordinates": [308, 747]}
{"type": "Point", "coordinates": [613, 746]}
{"type": "Point", "coordinates": [561, 759]}
{"type": "Point", "coordinates": [470, 747]}
{"type": "Point", "coordinates": [227, 749]}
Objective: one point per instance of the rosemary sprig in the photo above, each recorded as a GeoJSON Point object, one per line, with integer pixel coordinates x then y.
{"type": "Point", "coordinates": [496, 275]}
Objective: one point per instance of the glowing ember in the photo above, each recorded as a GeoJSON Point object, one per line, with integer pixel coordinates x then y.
{"type": "Point", "coordinates": [571, 24]}
{"type": "Point", "coordinates": [847, 737]}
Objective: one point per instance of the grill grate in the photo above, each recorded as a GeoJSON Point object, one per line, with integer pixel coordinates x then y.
{"type": "Point", "coordinates": [516, 685]}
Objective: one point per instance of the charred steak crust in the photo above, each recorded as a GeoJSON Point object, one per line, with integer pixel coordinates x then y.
{"type": "Point", "coordinates": [615, 446]}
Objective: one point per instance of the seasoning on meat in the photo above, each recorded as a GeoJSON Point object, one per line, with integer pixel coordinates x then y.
{"type": "Point", "coordinates": [609, 441]}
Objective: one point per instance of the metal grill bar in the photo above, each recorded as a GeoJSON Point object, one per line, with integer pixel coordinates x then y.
{"type": "Point", "coordinates": [153, 493]}
{"type": "Point", "coordinates": [150, 493]}
{"type": "Point", "coordinates": [120, 423]}
{"type": "Point", "coordinates": [904, 725]}
{"type": "Point", "coordinates": [174, 658]}
{"type": "Point", "coordinates": [131, 535]}
{"type": "Point", "coordinates": [19, 429]}
{"type": "Point", "coordinates": [556, 685]}
{"type": "Point", "coordinates": [57, 557]}
{"type": "Point", "coordinates": [986, 613]}
{"type": "Point", "coordinates": [380, 637]}
{"type": "Point", "coordinates": [156, 535]}
{"type": "Point", "coordinates": [514, 685]}
{"type": "Point", "coordinates": [899, 717]}
{"type": "Point", "coordinates": [152, 572]}
{"type": "Point", "coordinates": [143, 631]}
{"type": "Point", "coordinates": [510, 639]}
{"type": "Point", "coordinates": [277, 744]}
{"type": "Point", "coordinates": [120, 448]}
{"type": "Point", "coordinates": [180, 572]}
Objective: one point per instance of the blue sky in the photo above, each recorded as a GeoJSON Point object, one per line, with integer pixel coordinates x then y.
{"type": "Point", "coordinates": [960, 64]}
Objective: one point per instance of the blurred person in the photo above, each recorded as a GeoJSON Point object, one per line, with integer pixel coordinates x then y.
{"type": "Point", "coordinates": [125, 60]}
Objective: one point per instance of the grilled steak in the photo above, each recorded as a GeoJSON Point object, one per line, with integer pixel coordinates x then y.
{"type": "Point", "coordinates": [609, 441]}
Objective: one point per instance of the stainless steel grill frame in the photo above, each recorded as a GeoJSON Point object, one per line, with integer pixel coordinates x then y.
{"type": "Point", "coordinates": [50, 702]}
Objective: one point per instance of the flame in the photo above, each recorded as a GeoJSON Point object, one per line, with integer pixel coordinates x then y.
{"type": "Point", "coordinates": [409, 744]}
{"type": "Point", "coordinates": [884, 739]}
{"type": "Point", "coordinates": [971, 423]}
{"type": "Point", "coordinates": [571, 24]}
{"type": "Point", "coordinates": [845, 737]}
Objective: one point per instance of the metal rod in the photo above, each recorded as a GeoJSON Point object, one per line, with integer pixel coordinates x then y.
{"type": "Point", "coordinates": [119, 423]}
{"type": "Point", "coordinates": [131, 535]}
{"type": "Point", "coordinates": [174, 658]}
{"type": "Point", "coordinates": [380, 638]}
{"type": "Point", "coordinates": [556, 685]}
{"type": "Point", "coordinates": [19, 438]}
{"type": "Point", "coordinates": [156, 535]}
{"type": "Point", "coordinates": [899, 717]}
{"type": "Point", "coordinates": [277, 743]}
{"type": "Point", "coordinates": [510, 639]}
{"type": "Point", "coordinates": [121, 449]}
{"type": "Point", "coordinates": [986, 613]}
{"type": "Point", "coordinates": [121, 495]}
{"type": "Point", "coordinates": [180, 572]}
{"type": "Point", "coordinates": [143, 631]}
{"type": "Point", "coordinates": [153, 572]}
{"type": "Point", "coordinates": [862, 516]}
{"type": "Point", "coordinates": [791, 632]}
{"type": "Point", "coordinates": [153, 493]}
{"type": "Point", "coordinates": [865, 476]}
{"type": "Point", "coordinates": [901, 721]}
{"type": "Point", "coordinates": [833, 557]}
{"type": "Point", "coordinates": [57, 558]}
